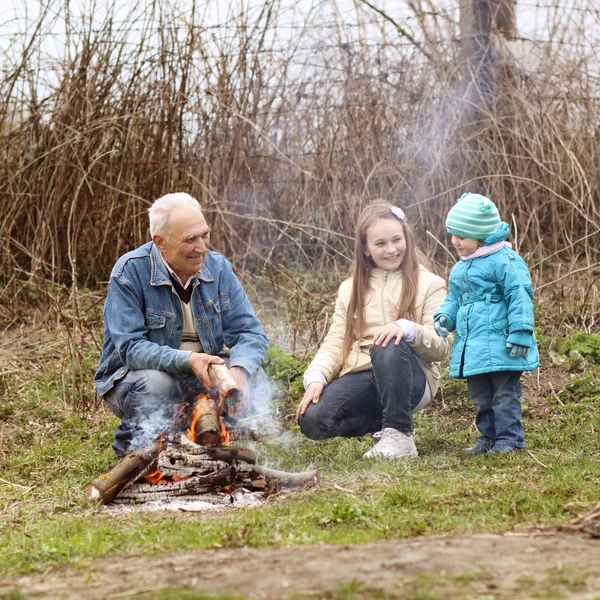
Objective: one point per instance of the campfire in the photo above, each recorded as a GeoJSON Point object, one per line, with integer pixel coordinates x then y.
{"type": "Point", "coordinates": [198, 464]}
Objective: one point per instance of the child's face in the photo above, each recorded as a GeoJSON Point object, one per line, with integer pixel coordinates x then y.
{"type": "Point", "coordinates": [386, 244]}
{"type": "Point", "coordinates": [465, 246]}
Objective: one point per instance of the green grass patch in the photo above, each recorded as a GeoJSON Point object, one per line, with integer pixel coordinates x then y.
{"type": "Point", "coordinates": [50, 453]}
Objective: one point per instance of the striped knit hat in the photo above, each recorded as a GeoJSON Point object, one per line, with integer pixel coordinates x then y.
{"type": "Point", "coordinates": [473, 216]}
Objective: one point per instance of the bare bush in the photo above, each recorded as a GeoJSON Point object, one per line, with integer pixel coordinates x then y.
{"type": "Point", "coordinates": [284, 126]}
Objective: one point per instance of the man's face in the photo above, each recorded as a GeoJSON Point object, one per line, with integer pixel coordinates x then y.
{"type": "Point", "coordinates": [185, 243]}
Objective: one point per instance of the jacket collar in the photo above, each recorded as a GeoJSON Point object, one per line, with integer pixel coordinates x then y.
{"type": "Point", "coordinates": [159, 274]}
{"type": "Point", "coordinates": [498, 236]}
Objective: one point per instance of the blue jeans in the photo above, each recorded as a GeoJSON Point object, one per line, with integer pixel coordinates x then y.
{"type": "Point", "coordinates": [367, 401]}
{"type": "Point", "coordinates": [497, 398]}
{"type": "Point", "coordinates": [147, 401]}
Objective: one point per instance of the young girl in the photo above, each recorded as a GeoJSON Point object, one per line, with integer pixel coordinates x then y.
{"type": "Point", "coordinates": [379, 361]}
{"type": "Point", "coordinates": [490, 308]}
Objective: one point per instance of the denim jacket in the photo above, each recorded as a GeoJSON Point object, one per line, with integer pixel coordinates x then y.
{"type": "Point", "coordinates": [143, 319]}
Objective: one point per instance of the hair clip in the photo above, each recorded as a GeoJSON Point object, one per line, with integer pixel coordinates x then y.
{"type": "Point", "coordinates": [398, 212]}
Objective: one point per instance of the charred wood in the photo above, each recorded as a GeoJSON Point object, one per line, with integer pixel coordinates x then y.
{"type": "Point", "coordinates": [134, 465]}
{"type": "Point", "coordinates": [229, 454]}
{"type": "Point", "coordinates": [244, 433]}
{"type": "Point", "coordinates": [195, 485]}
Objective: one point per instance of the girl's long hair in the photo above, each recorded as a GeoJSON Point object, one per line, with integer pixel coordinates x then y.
{"type": "Point", "coordinates": [361, 270]}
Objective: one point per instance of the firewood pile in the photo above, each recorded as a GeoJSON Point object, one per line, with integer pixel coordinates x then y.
{"type": "Point", "coordinates": [196, 465]}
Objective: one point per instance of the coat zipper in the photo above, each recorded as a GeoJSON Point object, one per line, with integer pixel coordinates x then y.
{"type": "Point", "coordinates": [385, 275]}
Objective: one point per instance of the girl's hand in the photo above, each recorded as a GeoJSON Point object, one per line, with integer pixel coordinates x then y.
{"type": "Point", "coordinates": [382, 337]}
{"type": "Point", "coordinates": [311, 396]}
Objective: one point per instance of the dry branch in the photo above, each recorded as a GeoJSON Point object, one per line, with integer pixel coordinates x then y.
{"type": "Point", "coordinates": [588, 522]}
{"type": "Point", "coordinates": [290, 480]}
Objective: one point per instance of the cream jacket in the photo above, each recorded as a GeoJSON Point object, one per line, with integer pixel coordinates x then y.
{"type": "Point", "coordinates": [385, 288]}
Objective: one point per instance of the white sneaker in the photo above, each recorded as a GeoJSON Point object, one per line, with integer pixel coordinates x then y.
{"type": "Point", "coordinates": [393, 444]}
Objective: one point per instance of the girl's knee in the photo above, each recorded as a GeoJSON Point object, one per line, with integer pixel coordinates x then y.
{"type": "Point", "coordinates": [312, 425]}
{"type": "Point", "coordinates": [391, 355]}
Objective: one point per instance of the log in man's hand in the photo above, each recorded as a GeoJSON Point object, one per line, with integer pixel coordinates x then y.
{"type": "Point", "coordinates": [199, 363]}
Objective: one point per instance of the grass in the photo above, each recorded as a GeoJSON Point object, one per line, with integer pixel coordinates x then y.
{"type": "Point", "coordinates": [48, 455]}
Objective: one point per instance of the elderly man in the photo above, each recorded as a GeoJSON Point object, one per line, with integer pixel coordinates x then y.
{"type": "Point", "coordinates": [171, 307]}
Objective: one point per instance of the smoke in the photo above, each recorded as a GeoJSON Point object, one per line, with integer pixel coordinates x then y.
{"type": "Point", "coordinates": [261, 413]}
{"type": "Point", "coordinates": [152, 420]}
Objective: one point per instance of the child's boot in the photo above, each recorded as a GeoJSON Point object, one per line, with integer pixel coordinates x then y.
{"type": "Point", "coordinates": [503, 448]}
{"type": "Point", "coordinates": [482, 446]}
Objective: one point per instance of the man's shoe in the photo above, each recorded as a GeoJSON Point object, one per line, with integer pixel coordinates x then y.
{"type": "Point", "coordinates": [393, 444]}
{"type": "Point", "coordinates": [504, 448]}
{"type": "Point", "coordinates": [480, 447]}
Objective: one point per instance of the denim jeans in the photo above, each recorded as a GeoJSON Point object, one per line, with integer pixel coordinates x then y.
{"type": "Point", "coordinates": [497, 398]}
{"type": "Point", "coordinates": [367, 401]}
{"type": "Point", "coordinates": [147, 401]}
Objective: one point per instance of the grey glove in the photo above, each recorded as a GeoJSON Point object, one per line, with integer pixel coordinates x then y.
{"type": "Point", "coordinates": [440, 327]}
{"type": "Point", "coordinates": [517, 351]}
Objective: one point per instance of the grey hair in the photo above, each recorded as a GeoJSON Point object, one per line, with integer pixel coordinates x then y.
{"type": "Point", "coordinates": [161, 209]}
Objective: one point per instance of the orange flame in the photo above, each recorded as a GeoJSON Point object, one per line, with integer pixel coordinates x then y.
{"type": "Point", "coordinates": [224, 433]}
{"type": "Point", "coordinates": [191, 432]}
{"type": "Point", "coordinates": [155, 477]}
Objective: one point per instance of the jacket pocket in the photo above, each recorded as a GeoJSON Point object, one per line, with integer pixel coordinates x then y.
{"type": "Point", "coordinates": [219, 304]}
{"type": "Point", "coordinates": [155, 319]}
{"type": "Point", "coordinates": [158, 324]}
{"type": "Point", "coordinates": [501, 325]}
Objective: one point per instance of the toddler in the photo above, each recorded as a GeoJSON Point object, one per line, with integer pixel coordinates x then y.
{"type": "Point", "coordinates": [490, 308]}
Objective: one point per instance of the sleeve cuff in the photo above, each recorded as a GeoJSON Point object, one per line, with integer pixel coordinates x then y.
{"type": "Point", "coordinates": [409, 328]}
{"type": "Point", "coordinates": [450, 324]}
{"type": "Point", "coordinates": [520, 338]}
{"type": "Point", "coordinates": [314, 377]}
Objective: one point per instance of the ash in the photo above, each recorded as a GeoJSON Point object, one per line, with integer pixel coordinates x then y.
{"type": "Point", "coordinates": [240, 498]}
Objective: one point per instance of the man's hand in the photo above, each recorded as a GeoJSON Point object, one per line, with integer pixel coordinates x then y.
{"type": "Point", "coordinates": [311, 395]}
{"type": "Point", "coordinates": [199, 363]}
{"type": "Point", "coordinates": [382, 337]}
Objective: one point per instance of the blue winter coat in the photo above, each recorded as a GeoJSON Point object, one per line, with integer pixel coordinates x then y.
{"type": "Point", "coordinates": [488, 305]}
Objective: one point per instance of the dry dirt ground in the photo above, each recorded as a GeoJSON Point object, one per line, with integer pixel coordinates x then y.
{"type": "Point", "coordinates": [503, 566]}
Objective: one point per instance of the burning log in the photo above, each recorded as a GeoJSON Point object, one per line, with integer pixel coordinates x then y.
{"type": "Point", "coordinates": [206, 427]}
{"type": "Point", "coordinates": [221, 379]}
{"type": "Point", "coordinates": [134, 465]}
